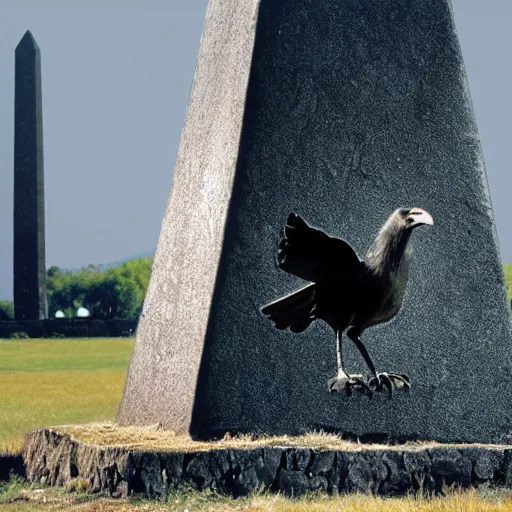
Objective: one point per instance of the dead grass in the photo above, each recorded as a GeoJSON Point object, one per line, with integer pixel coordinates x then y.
{"type": "Point", "coordinates": [39, 500]}
{"type": "Point", "coordinates": [157, 439]}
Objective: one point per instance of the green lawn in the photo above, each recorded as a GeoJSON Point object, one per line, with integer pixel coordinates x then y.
{"type": "Point", "coordinates": [57, 382]}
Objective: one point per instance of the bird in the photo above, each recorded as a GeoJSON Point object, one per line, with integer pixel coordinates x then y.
{"type": "Point", "coordinates": [348, 293]}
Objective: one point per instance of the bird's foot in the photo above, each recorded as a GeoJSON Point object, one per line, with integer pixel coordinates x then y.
{"type": "Point", "coordinates": [390, 382]}
{"type": "Point", "coordinates": [348, 384]}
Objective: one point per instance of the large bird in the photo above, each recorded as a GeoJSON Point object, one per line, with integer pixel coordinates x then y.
{"type": "Point", "coordinates": [349, 294]}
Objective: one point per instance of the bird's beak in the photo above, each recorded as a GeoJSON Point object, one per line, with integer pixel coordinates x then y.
{"type": "Point", "coordinates": [419, 217]}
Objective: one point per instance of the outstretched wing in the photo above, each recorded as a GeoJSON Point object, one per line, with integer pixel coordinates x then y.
{"type": "Point", "coordinates": [315, 256]}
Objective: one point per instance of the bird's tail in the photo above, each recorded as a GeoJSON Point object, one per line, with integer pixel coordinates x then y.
{"type": "Point", "coordinates": [293, 311]}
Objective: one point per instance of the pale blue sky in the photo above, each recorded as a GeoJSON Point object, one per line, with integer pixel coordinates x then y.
{"type": "Point", "coordinates": [116, 81]}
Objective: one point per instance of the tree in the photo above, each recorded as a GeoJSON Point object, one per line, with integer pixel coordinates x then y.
{"type": "Point", "coordinates": [6, 310]}
{"type": "Point", "coordinates": [114, 293]}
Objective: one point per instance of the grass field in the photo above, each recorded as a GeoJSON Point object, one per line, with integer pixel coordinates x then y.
{"type": "Point", "coordinates": [56, 382]}
{"type": "Point", "coordinates": [24, 498]}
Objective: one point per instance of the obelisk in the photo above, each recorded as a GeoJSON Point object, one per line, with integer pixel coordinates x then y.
{"type": "Point", "coordinates": [30, 294]}
{"type": "Point", "coordinates": [340, 111]}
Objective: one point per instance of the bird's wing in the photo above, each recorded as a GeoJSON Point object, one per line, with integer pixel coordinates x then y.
{"type": "Point", "coordinates": [315, 256]}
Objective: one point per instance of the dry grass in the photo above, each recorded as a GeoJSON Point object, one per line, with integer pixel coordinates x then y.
{"type": "Point", "coordinates": [48, 382]}
{"type": "Point", "coordinates": [456, 501]}
{"type": "Point", "coordinates": [157, 439]}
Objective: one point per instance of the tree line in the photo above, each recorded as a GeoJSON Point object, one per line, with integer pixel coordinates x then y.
{"type": "Point", "coordinates": [117, 292]}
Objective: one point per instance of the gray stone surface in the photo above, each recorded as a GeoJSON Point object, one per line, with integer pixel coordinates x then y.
{"type": "Point", "coordinates": [30, 296]}
{"type": "Point", "coordinates": [352, 109]}
{"type": "Point", "coordinates": [59, 460]}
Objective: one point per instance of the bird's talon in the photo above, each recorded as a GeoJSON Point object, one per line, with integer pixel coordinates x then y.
{"type": "Point", "coordinates": [406, 381]}
{"type": "Point", "coordinates": [348, 384]}
{"type": "Point", "coordinates": [390, 381]}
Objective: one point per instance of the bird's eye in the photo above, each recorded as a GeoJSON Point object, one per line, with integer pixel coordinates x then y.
{"type": "Point", "coordinates": [416, 213]}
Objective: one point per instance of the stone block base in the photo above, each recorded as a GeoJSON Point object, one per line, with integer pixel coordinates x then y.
{"type": "Point", "coordinates": [57, 459]}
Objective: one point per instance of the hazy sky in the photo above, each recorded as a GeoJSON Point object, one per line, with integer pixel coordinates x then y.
{"type": "Point", "coordinates": [116, 81]}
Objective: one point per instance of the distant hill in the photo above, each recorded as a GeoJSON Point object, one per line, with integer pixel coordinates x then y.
{"type": "Point", "coordinates": [106, 266]}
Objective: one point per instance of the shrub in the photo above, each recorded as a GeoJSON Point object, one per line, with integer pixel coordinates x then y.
{"type": "Point", "coordinates": [6, 310]}
{"type": "Point", "coordinates": [20, 335]}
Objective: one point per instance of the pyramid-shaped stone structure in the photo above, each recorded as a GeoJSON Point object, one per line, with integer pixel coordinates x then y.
{"type": "Point", "coordinates": [341, 111]}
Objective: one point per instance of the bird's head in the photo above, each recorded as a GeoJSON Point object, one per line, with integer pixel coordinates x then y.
{"type": "Point", "coordinates": [414, 217]}
{"type": "Point", "coordinates": [391, 242]}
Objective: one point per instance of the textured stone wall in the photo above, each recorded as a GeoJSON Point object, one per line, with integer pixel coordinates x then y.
{"type": "Point", "coordinates": [57, 459]}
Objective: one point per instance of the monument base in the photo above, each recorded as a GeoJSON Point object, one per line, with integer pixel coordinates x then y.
{"type": "Point", "coordinates": [290, 465]}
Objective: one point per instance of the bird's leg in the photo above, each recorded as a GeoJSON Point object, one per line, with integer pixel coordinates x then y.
{"type": "Point", "coordinates": [379, 380]}
{"type": "Point", "coordinates": [353, 334]}
{"type": "Point", "coordinates": [343, 381]}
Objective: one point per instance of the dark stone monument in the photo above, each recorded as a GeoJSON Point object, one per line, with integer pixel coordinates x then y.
{"type": "Point", "coordinates": [340, 111]}
{"type": "Point", "coordinates": [30, 296]}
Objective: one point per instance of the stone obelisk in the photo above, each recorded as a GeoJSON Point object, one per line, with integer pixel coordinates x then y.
{"type": "Point", "coordinates": [340, 111]}
{"type": "Point", "coordinates": [30, 295]}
